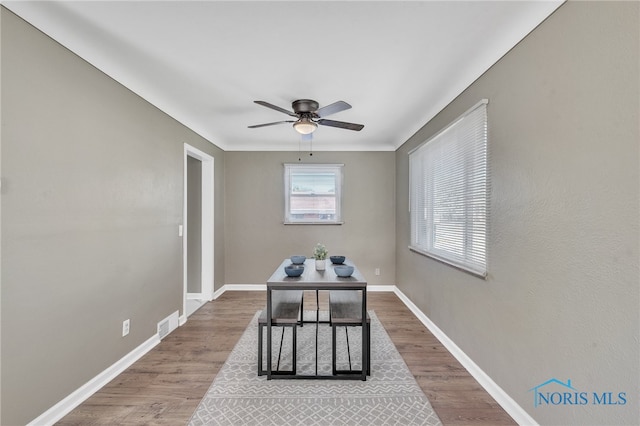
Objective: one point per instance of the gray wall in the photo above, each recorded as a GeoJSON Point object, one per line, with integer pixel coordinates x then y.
{"type": "Point", "coordinates": [561, 300]}
{"type": "Point", "coordinates": [255, 212]}
{"type": "Point", "coordinates": [92, 193]}
{"type": "Point", "coordinates": [194, 228]}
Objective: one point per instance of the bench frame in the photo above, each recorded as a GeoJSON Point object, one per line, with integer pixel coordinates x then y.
{"type": "Point", "coordinates": [345, 310]}
{"type": "Point", "coordinates": [286, 312]}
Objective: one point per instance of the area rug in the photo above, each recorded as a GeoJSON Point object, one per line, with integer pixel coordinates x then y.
{"type": "Point", "coordinates": [390, 396]}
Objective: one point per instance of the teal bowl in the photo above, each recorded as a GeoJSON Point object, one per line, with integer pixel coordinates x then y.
{"type": "Point", "coordinates": [294, 270]}
{"type": "Point", "coordinates": [344, 271]}
{"type": "Point", "coordinates": [298, 260]}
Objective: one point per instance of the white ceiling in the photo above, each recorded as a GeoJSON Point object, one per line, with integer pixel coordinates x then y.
{"type": "Point", "coordinates": [205, 62]}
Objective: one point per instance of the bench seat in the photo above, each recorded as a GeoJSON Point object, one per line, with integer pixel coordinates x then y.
{"type": "Point", "coordinates": [345, 310]}
{"type": "Point", "coordinates": [286, 311]}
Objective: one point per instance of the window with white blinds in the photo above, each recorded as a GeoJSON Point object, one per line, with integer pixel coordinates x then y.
{"type": "Point", "coordinates": [449, 188]}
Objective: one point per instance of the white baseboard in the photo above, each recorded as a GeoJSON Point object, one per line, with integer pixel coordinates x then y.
{"type": "Point", "coordinates": [239, 287]}
{"type": "Point", "coordinates": [65, 406]}
{"type": "Point", "coordinates": [391, 288]}
{"type": "Point", "coordinates": [502, 398]}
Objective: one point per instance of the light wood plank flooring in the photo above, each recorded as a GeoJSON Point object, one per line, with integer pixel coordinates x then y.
{"type": "Point", "coordinates": [165, 386]}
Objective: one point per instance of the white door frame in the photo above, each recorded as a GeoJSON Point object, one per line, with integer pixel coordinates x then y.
{"type": "Point", "coordinates": [207, 229]}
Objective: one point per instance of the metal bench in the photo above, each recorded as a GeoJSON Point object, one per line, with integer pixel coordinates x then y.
{"type": "Point", "coordinates": [286, 311]}
{"type": "Point", "coordinates": [345, 310]}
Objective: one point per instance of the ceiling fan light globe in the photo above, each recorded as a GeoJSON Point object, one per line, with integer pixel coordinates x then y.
{"type": "Point", "coordinates": [304, 127]}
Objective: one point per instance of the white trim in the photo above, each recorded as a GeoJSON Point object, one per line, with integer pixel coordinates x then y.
{"type": "Point", "coordinates": [218, 292]}
{"type": "Point", "coordinates": [459, 266]}
{"type": "Point", "coordinates": [207, 231]}
{"type": "Point", "coordinates": [195, 296]}
{"type": "Point", "coordinates": [502, 398]}
{"type": "Point", "coordinates": [208, 189]}
{"type": "Point", "coordinates": [65, 406]}
{"type": "Point", "coordinates": [316, 165]}
{"type": "Point", "coordinates": [460, 117]}
{"type": "Point", "coordinates": [240, 287]}
{"type": "Point", "coordinates": [380, 288]}
{"type": "Point", "coordinates": [313, 223]}
{"type": "Point", "coordinates": [336, 169]}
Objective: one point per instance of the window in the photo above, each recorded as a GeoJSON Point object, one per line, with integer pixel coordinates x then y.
{"type": "Point", "coordinates": [448, 189]}
{"type": "Point", "coordinates": [313, 193]}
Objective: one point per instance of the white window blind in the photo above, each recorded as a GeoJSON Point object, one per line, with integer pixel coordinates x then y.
{"type": "Point", "coordinates": [449, 187]}
{"type": "Point", "coordinates": [313, 193]}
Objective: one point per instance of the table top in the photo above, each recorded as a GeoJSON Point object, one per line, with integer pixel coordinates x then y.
{"type": "Point", "coordinates": [312, 278]}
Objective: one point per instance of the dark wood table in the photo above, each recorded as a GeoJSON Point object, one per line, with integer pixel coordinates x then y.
{"type": "Point", "coordinates": [311, 279]}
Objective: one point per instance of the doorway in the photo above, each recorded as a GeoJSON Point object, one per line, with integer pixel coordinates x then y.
{"type": "Point", "coordinates": [197, 244]}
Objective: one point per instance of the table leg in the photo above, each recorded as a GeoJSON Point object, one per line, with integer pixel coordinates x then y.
{"type": "Point", "coordinates": [365, 337]}
{"type": "Point", "coordinates": [268, 334]}
{"type": "Point", "coordinates": [317, 326]}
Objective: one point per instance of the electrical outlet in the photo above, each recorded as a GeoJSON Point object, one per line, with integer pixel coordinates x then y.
{"type": "Point", "coordinates": [125, 327]}
{"type": "Point", "coordinates": [377, 272]}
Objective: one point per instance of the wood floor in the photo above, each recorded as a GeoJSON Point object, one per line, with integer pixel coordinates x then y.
{"type": "Point", "coordinates": [165, 386]}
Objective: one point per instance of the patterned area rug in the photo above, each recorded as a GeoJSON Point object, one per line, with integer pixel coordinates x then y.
{"type": "Point", "coordinates": [390, 396]}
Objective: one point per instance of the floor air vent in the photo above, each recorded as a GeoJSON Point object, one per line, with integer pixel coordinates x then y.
{"type": "Point", "coordinates": [167, 325]}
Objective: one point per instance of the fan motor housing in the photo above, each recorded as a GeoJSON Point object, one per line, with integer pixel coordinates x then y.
{"type": "Point", "coordinates": [302, 106]}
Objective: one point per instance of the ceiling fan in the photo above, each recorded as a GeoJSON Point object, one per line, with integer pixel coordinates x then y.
{"type": "Point", "coordinates": [308, 116]}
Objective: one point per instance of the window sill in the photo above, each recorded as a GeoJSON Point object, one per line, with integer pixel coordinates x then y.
{"type": "Point", "coordinates": [313, 223]}
{"type": "Point", "coordinates": [459, 267]}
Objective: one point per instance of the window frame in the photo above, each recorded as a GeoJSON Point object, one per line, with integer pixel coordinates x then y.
{"type": "Point", "coordinates": [337, 169]}
{"type": "Point", "coordinates": [467, 245]}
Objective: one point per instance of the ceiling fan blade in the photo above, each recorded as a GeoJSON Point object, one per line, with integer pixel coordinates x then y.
{"type": "Point", "coordinates": [270, 124]}
{"type": "Point", "coordinates": [332, 108]}
{"type": "Point", "coordinates": [341, 124]}
{"type": "Point", "coordinates": [277, 108]}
